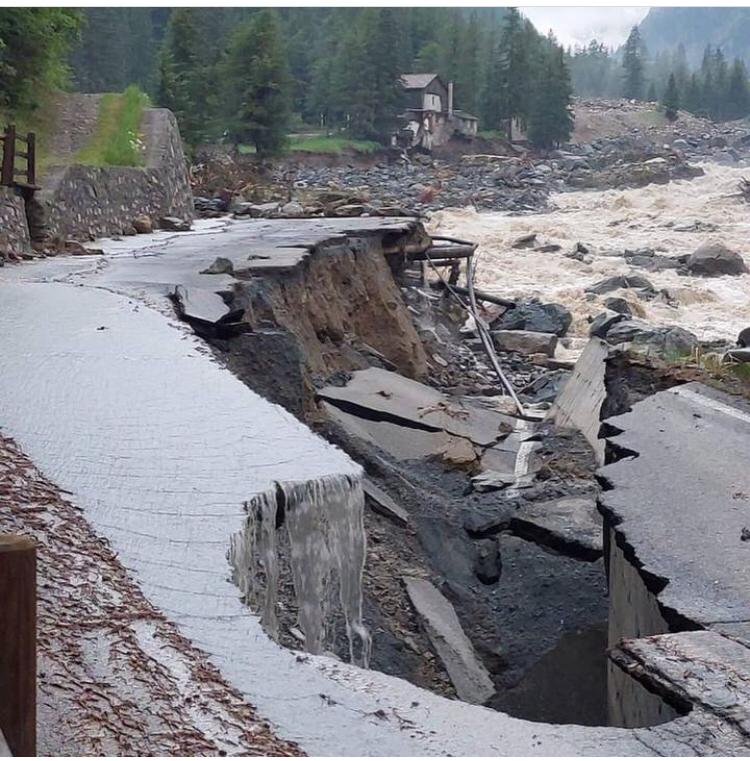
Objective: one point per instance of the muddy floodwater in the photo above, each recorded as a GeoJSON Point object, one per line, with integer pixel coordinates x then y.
{"type": "Point", "coordinates": [672, 219]}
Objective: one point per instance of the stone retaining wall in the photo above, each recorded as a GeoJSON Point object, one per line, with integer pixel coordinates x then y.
{"type": "Point", "coordinates": [84, 202]}
{"type": "Point", "coordinates": [14, 231]}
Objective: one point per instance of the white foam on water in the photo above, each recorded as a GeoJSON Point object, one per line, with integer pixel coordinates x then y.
{"type": "Point", "coordinates": [611, 221]}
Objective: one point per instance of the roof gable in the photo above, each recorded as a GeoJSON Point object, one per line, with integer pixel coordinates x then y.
{"type": "Point", "coordinates": [418, 81]}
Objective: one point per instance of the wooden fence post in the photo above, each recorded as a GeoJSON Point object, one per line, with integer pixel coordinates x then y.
{"type": "Point", "coordinates": [18, 643]}
{"type": "Point", "coordinates": [31, 158]}
{"type": "Point", "coordinates": [9, 156]}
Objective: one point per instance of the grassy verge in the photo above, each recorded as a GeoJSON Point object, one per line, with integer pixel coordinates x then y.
{"type": "Point", "coordinates": [330, 144]}
{"type": "Point", "coordinates": [322, 144]}
{"type": "Point", "coordinates": [115, 141]}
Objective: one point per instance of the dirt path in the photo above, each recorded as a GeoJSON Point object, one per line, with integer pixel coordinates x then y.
{"type": "Point", "coordinates": [115, 678]}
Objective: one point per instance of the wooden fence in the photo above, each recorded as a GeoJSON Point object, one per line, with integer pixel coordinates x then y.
{"type": "Point", "coordinates": [18, 643]}
{"type": "Point", "coordinates": [8, 170]}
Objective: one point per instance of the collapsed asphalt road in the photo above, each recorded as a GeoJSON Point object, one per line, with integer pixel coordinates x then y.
{"type": "Point", "coordinates": [120, 405]}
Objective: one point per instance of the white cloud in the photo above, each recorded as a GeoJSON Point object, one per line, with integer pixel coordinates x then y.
{"type": "Point", "coordinates": [577, 25]}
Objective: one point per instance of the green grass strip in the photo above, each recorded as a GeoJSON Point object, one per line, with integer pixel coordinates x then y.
{"type": "Point", "coordinates": [115, 141]}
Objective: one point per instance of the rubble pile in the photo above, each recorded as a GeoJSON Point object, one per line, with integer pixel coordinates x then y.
{"type": "Point", "coordinates": [516, 181]}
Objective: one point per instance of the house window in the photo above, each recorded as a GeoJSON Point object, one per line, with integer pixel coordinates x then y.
{"type": "Point", "coordinates": [432, 102]}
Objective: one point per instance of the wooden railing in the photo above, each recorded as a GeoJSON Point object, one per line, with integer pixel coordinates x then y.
{"type": "Point", "coordinates": [18, 643]}
{"type": "Point", "coordinates": [8, 171]}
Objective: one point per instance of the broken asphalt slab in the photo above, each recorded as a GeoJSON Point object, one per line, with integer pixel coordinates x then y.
{"type": "Point", "coordinates": [699, 669]}
{"type": "Point", "coordinates": [383, 504]}
{"type": "Point", "coordinates": [571, 525]}
{"type": "Point", "coordinates": [204, 306]}
{"type": "Point", "coordinates": [408, 402]}
{"type": "Point", "coordinates": [580, 401]}
{"type": "Point", "coordinates": [470, 678]}
{"type": "Point", "coordinates": [681, 501]}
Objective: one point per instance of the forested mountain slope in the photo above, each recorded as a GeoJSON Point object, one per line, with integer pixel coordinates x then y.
{"type": "Point", "coordinates": [694, 28]}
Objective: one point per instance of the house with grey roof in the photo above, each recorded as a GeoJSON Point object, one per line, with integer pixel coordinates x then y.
{"type": "Point", "coordinates": [430, 119]}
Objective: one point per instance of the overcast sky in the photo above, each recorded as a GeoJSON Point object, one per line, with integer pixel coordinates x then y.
{"type": "Point", "coordinates": [574, 25]}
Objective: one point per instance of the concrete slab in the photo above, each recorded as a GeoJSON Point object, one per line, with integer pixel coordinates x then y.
{"type": "Point", "coordinates": [683, 501]}
{"type": "Point", "coordinates": [402, 399]}
{"type": "Point", "coordinates": [383, 504]}
{"type": "Point", "coordinates": [580, 401]}
{"type": "Point", "coordinates": [572, 525]}
{"type": "Point", "coordinates": [698, 668]}
{"type": "Point", "coordinates": [400, 442]}
{"type": "Point", "coordinates": [470, 678]}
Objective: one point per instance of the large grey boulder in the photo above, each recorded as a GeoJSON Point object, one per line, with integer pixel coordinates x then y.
{"type": "Point", "coordinates": [712, 259]}
{"type": "Point", "coordinates": [616, 304]}
{"type": "Point", "coordinates": [603, 322]}
{"type": "Point", "coordinates": [174, 224]}
{"type": "Point", "coordinates": [538, 318]}
{"type": "Point", "coordinates": [256, 210]}
{"type": "Point", "coordinates": [292, 209]}
{"type": "Point", "coordinates": [620, 281]}
{"type": "Point", "coordinates": [525, 342]}
{"type": "Point", "coordinates": [669, 341]}
{"type": "Point", "coordinates": [630, 330]}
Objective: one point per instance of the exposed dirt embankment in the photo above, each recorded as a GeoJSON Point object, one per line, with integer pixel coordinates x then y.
{"type": "Point", "coordinates": [339, 310]}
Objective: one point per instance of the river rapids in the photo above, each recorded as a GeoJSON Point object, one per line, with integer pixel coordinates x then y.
{"type": "Point", "coordinates": [608, 223]}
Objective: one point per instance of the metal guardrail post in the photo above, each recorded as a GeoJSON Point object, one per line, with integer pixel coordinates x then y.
{"type": "Point", "coordinates": [18, 643]}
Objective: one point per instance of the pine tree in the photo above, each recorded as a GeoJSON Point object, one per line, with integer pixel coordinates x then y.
{"type": "Point", "coordinates": [258, 80]}
{"type": "Point", "coordinates": [492, 101]}
{"type": "Point", "coordinates": [671, 99]}
{"type": "Point", "coordinates": [693, 95]}
{"type": "Point", "coordinates": [651, 97]}
{"type": "Point", "coordinates": [632, 63]}
{"type": "Point", "coordinates": [738, 96]}
{"type": "Point", "coordinates": [551, 120]}
{"type": "Point", "coordinates": [721, 86]}
{"type": "Point", "coordinates": [386, 70]}
{"type": "Point", "coordinates": [507, 89]}
{"type": "Point", "coordinates": [185, 89]}
{"type": "Point", "coordinates": [469, 65]}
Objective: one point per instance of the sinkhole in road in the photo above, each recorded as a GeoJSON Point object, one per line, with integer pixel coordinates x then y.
{"type": "Point", "coordinates": [543, 669]}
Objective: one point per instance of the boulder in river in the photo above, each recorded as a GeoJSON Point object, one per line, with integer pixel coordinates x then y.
{"type": "Point", "coordinates": [620, 281]}
{"type": "Point", "coordinates": [536, 317]}
{"type": "Point", "coordinates": [525, 241]}
{"type": "Point", "coordinates": [616, 304]}
{"type": "Point", "coordinates": [712, 259]}
{"type": "Point", "coordinates": [668, 341]}
{"type": "Point", "coordinates": [603, 322]}
{"type": "Point", "coordinates": [525, 342]}
{"type": "Point", "coordinates": [627, 331]}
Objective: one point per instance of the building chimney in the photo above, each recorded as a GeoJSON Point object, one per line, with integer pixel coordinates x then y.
{"type": "Point", "coordinates": [450, 98]}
